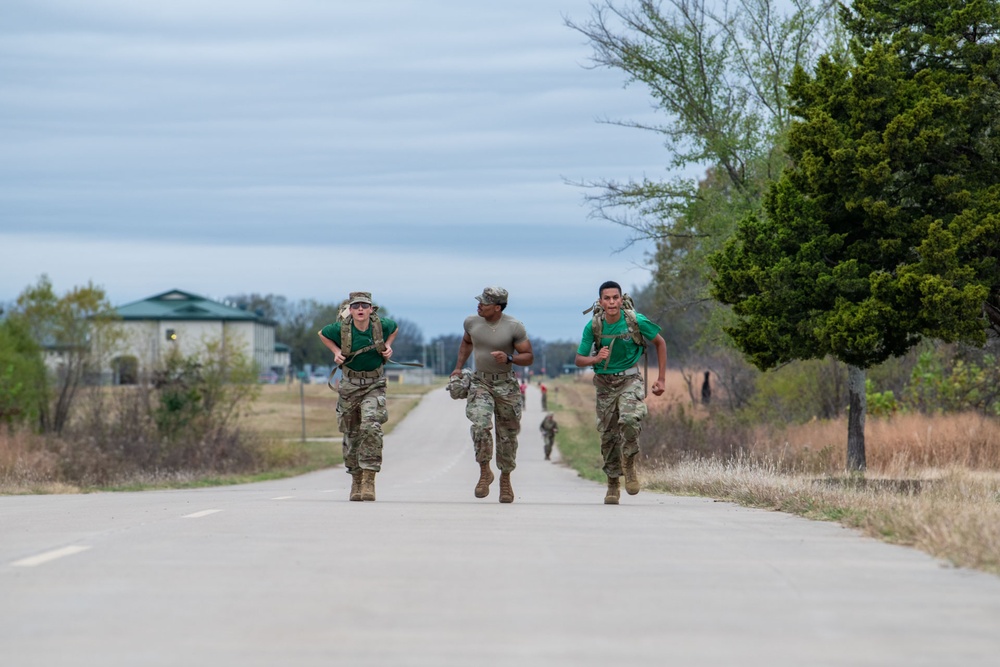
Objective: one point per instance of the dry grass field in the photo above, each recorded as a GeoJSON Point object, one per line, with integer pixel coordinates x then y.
{"type": "Point", "coordinates": [278, 412]}
{"type": "Point", "coordinates": [293, 429]}
{"type": "Point", "coordinates": [300, 423]}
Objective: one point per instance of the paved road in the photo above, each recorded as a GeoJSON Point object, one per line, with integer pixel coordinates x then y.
{"type": "Point", "coordinates": [289, 573]}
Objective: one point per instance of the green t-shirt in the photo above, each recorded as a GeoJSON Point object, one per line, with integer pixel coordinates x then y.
{"type": "Point", "coordinates": [625, 353]}
{"type": "Point", "coordinates": [366, 361]}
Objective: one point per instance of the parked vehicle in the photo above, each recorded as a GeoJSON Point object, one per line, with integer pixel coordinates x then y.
{"type": "Point", "coordinates": [269, 377]}
{"type": "Point", "coordinates": [319, 375]}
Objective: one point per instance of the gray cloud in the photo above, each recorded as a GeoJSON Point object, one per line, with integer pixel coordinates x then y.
{"type": "Point", "coordinates": [417, 131]}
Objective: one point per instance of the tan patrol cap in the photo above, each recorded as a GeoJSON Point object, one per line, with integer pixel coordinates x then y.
{"type": "Point", "coordinates": [493, 296]}
{"type": "Point", "coordinates": [361, 297]}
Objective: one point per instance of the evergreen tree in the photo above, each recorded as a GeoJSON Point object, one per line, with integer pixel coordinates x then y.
{"type": "Point", "coordinates": [886, 228]}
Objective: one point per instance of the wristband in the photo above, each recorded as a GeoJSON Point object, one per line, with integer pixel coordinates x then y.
{"type": "Point", "coordinates": [510, 358]}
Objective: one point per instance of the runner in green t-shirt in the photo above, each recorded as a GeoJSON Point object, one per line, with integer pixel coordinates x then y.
{"type": "Point", "coordinates": [620, 394]}
{"type": "Point", "coordinates": [361, 408]}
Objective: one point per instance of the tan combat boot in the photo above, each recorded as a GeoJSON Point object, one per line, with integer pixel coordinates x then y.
{"type": "Point", "coordinates": [485, 479]}
{"type": "Point", "coordinates": [506, 492]}
{"type": "Point", "coordinates": [356, 485]}
{"type": "Point", "coordinates": [367, 485]}
{"type": "Point", "coordinates": [614, 491]}
{"type": "Point", "coordinates": [631, 478]}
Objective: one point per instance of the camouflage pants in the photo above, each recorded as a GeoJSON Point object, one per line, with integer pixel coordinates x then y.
{"type": "Point", "coordinates": [620, 411]}
{"type": "Point", "coordinates": [361, 411]}
{"type": "Point", "coordinates": [550, 440]}
{"type": "Point", "coordinates": [499, 401]}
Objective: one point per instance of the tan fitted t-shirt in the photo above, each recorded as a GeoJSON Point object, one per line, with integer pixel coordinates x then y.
{"type": "Point", "coordinates": [488, 338]}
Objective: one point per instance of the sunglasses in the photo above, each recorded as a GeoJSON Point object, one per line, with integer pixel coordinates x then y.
{"type": "Point", "coordinates": [361, 306]}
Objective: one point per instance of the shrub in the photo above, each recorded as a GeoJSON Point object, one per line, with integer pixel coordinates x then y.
{"type": "Point", "coordinates": [800, 391]}
{"type": "Point", "coordinates": [23, 389]}
{"type": "Point", "coordinates": [675, 433]}
{"type": "Point", "coordinates": [25, 462]}
{"type": "Point", "coordinates": [182, 419]}
{"type": "Point", "coordinates": [953, 384]}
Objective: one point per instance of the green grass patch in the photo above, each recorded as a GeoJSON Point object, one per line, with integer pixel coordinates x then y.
{"type": "Point", "coordinates": [581, 450]}
{"type": "Point", "coordinates": [571, 401]}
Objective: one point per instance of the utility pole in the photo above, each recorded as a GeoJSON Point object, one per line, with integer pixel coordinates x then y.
{"type": "Point", "coordinates": [302, 402]}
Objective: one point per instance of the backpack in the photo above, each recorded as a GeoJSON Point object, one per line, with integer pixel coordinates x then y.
{"type": "Point", "coordinates": [633, 334]}
{"type": "Point", "coordinates": [631, 322]}
{"type": "Point", "coordinates": [344, 319]}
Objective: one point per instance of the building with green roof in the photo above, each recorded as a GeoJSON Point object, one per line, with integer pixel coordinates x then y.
{"type": "Point", "coordinates": [182, 321]}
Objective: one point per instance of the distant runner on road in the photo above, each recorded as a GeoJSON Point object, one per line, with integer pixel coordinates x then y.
{"type": "Point", "coordinates": [549, 428]}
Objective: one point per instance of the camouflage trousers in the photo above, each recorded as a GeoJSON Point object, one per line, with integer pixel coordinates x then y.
{"type": "Point", "coordinates": [620, 411]}
{"type": "Point", "coordinates": [550, 441]}
{"type": "Point", "coordinates": [499, 401]}
{"type": "Point", "coordinates": [361, 411]}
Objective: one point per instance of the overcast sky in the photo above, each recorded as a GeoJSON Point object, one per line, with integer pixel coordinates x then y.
{"type": "Point", "coordinates": [419, 149]}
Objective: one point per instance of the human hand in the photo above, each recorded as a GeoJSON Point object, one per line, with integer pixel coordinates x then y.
{"type": "Point", "coordinates": [658, 387]}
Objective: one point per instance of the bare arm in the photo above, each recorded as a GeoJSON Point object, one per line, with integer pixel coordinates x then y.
{"type": "Point", "coordinates": [338, 357]}
{"type": "Point", "coordinates": [601, 355]}
{"type": "Point", "coordinates": [388, 344]}
{"type": "Point", "coordinates": [464, 350]}
{"type": "Point", "coordinates": [523, 354]}
{"type": "Point", "coordinates": [661, 361]}
{"type": "Point", "coordinates": [583, 360]}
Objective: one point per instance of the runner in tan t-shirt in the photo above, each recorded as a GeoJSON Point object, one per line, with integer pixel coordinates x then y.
{"type": "Point", "coordinates": [498, 343]}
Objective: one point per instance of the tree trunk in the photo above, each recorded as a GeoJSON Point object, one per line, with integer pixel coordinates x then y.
{"type": "Point", "coordinates": [856, 419]}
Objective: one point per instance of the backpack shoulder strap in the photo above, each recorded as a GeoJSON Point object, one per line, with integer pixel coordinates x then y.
{"type": "Point", "coordinates": [345, 337]}
{"type": "Point", "coordinates": [596, 323]}
{"type": "Point", "coordinates": [377, 339]}
{"type": "Point", "coordinates": [632, 322]}
{"type": "Point", "coordinates": [597, 327]}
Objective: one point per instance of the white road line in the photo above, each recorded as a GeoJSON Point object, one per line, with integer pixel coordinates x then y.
{"type": "Point", "coordinates": [198, 515]}
{"type": "Point", "coordinates": [282, 498]}
{"type": "Point", "coordinates": [32, 561]}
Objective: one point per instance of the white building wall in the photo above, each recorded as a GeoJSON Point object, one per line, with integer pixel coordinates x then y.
{"type": "Point", "coordinates": [140, 341]}
{"type": "Point", "coordinates": [263, 345]}
{"type": "Point", "coordinates": [192, 336]}
{"type": "Point", "coordinates": [147, 340]}
{"type": "Point", "coordinates": [240, 335]}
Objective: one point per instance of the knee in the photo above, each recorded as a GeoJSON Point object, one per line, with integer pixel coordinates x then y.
{"type": "Point", "coordinates": [631, 426]}
{"type": "Point", "coordinates": [509, 426]}
{"type": "Point", "coordinates": [482, 432]}
{"type": "Point", "coordinates": [481, 421]}
{"type": "Point", "coordinates": [370, 429]}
